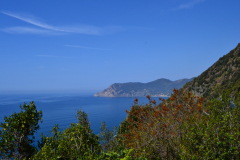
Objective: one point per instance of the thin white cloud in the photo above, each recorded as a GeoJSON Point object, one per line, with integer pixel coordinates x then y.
{"type": "Point", "coordinates": [28, 30]}
{"type": "Point", "coordinates": [81, 29]}
{"type": "Point", "coordinates": [29, 19]}
{"type": "Point", "coordinates": [52, 56]}
{"type": "Point", "coordinates": [85, 47]}
{"type": "Point", "coordinates": [188, 5]}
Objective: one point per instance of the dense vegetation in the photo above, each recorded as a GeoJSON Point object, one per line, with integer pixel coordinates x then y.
{"type": "Point", "coordinates": [185, 126]}
{"type": "Point", "coordinates": [17, 133]}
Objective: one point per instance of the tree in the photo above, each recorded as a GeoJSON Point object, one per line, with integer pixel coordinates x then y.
{"type": "Point", "coordinates": [76, 142]}
{"type": "Point", "coordinates": [17, 133]}
{"type": "Point", "coordinates": [108, 137]}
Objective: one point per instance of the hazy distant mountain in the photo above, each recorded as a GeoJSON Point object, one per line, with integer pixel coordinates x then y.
{"type": "Point", "coordinates": [161, 87]}
{"type": "Point", "coordinates": [225, 72]}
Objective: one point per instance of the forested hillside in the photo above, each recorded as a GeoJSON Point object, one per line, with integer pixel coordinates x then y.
{"type": "Point", "coordinates": [225, 73]}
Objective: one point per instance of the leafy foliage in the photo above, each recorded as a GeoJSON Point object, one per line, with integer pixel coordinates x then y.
{"type": "Point", "coordinates": [184, 127]}
{"type": "Point", "coordinates": [108, 137]}
{"type": "Point", "coordinates": [215, 135]}
{"type": "Point", "coordinates": [78, 142]}
{"type": "Point", "coordinates": [17, 134]}
{"type": "Point", "coordinates": [82, 118]}
{"type": "Point", "coordinates": [154, 131]}
{"type": "Point", "coordinates": [75, 142]}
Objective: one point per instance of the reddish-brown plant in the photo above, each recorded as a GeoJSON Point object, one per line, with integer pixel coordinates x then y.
{"type": "Point", "coordinates": [157, 129]}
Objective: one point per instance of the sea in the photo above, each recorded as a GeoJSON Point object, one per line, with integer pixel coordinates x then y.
{"type": "Point", "coordinates": [61, 109]}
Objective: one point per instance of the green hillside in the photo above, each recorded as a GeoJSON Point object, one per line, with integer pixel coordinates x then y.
{"type": "Point", "coordinates": [225, 73]}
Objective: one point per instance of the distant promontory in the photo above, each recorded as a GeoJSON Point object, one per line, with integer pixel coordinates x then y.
{"type": "Point", "coordinates": [158, 88]}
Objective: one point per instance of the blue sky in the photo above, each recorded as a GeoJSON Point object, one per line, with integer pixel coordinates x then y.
{"type": "Point", "coordinates": [85, 46]}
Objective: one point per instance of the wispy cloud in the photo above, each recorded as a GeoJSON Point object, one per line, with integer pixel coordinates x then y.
{"type": "Point", "coordinates": [30, 19]}
{"type": "Point", "coordinates": [52, 56]}
{"type": "Point", "coordinates": [187, 5]}
{"type": "Point", "coordinates": [81, 29]}
{"type": "Point", "coordinates": [27, 30]}
{"type": "Point", "coordinates": [85, 47]}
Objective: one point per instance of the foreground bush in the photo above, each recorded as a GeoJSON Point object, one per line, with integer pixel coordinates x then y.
{"type": "Point", "coordinates": [17, 133]}
{"type": "Point", "coordinates": [79, 142]}
{"type": "Point", "coordinates": [184, 126]}
{"type": "Point", "coordinates": [214, 135]}
{"type": "Point", "coordinates": [75, 142]}
{"type": "Point", "coordinates": [154, 131]}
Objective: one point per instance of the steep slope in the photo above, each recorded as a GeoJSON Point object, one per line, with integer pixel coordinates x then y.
{"type": "Point", "coordinates": [225, 73]}
{"type": "Point", "coordinates": [161, 87]}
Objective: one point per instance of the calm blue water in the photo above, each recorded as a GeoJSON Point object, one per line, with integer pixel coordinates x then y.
{"type": "Point", "coordinates": [61, 109]}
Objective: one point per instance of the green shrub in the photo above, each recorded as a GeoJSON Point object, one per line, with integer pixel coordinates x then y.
{"type": "Point", "coordinates": [17, 133]}
{"type": "Point", "coordinates": [75, 142]}
{"type": "Point", "coordinates": [216, 134]}
{"type": "Point", "coordinates": [108, 137]}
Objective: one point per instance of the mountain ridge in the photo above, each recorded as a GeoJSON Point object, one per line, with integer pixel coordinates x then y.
{"type": "Point", "coordinates": [158, 88]}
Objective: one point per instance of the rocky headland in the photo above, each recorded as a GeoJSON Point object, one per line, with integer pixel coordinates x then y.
{"type": "Point", "coordinates": [158, 88]}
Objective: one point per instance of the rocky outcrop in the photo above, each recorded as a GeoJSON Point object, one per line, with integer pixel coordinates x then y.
{"type": "Point", "coordinates": [158, 88]}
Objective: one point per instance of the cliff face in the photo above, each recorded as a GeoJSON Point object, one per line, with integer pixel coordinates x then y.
{"type": "Point", "coordinates": [225, 73]}
{"type": "Point", "coordinates": [158, 88]}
